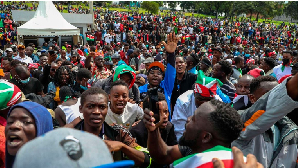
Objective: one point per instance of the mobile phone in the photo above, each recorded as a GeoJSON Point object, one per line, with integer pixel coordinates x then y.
{"type": "Point", "coordinates": [153, 99]}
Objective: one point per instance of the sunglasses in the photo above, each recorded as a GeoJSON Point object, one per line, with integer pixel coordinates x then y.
{"type": "Point", "coordinates": [53, 70]}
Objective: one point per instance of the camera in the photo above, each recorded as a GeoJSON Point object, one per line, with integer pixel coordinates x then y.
{"type": "Point", "coordinates": [153, 99]}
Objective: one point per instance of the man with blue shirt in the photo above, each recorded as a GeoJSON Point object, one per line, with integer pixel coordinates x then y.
{"type": "Point", "coordinates": [156, 69]}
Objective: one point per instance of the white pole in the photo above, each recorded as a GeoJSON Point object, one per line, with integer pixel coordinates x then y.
{"type": "Point", "coordinates": [91, 12]}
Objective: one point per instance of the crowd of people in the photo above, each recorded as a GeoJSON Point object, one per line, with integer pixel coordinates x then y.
{"type": "Point", "coordinates": [153, 91]}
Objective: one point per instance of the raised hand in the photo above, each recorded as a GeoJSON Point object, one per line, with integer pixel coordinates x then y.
{"type": "Point", "coordinates": [171, 44]}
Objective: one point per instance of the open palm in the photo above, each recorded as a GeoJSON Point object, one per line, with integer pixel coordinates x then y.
{"type": "Point", "coordinates": [171, 44]}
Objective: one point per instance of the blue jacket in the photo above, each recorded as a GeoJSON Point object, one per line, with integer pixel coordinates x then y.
{"type": "Point", "coordinates": [43, 123]}
{"type": "Point", "coordinates": [167, 84]}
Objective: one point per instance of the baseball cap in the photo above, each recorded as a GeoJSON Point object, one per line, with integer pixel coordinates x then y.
{"type": "Point", "coordinates": [9, 94]}
{"type": "Point", "coordinates": [74, 53]}
{"type": "Point", "coordinates": [130, 51]}
{"type": "Point", "coordinates": [148, 60]}
{"type": "Point", "coordinates": [116, 56]}
{"type": "Point", "coordinates": [157, 64]}
{"type": "Point", "coordinates": [69, 46]}
{"type": "Point", "coordinates": [67, 147]}
{"type": "Point", "coordinates": [9, 49]}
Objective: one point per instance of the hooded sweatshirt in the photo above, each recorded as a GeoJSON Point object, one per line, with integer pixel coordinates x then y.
{"type": "Point", "coordinates": [43, 124]}
{"type": "Point", "coordinates": [124, 69]}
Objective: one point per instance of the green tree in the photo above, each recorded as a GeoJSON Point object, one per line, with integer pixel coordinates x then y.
{"type": "Point", "coordinates": [160, 3]}
{"type": "Point", "coordinates": [150, 6]}
{"type": "Point", "coordinates": [187, 4]}
{"type": "Point", "coordinates": [291, 9]}
{"type": "Point", "coordinates": [172, 4]}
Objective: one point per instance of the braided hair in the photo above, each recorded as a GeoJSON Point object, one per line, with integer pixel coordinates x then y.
{"type": "Point", "coordinates": [58, 73]}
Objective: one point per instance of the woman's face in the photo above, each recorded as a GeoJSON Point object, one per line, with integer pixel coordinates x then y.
{"type": "Point", "coordinates": [19, 130]}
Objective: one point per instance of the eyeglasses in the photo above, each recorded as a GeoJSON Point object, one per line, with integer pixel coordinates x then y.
{"type": "Point", "coordinates": [53, 70]}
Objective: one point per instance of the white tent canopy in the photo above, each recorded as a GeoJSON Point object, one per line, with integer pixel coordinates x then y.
{"type": "Point", "coordinates": [47, 21]}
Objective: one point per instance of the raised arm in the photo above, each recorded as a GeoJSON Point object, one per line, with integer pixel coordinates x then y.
{"type": "Point", "coordinates": [87, 62]}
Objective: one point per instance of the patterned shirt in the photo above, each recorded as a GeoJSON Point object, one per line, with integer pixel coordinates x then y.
{"type": "Point", "coordinates": [100, 75]}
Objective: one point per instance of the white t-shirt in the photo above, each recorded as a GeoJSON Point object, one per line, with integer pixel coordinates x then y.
{"type": "Point", "coordinates": [279, 73]}
{"type": "Point", "coordinates": [71, 112]}
{"type": "Point", "coordinates": [117, 26]}
{"type": "Point", "coordinates": [191, 30]}
{"type": "Point", "coordinates": [107, 38]}
{"type": "Point", "coordinates": [26, 59]}
{"type": "Point", "coordinates": [127, 118]}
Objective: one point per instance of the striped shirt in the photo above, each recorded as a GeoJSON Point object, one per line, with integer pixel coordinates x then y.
{"type": "Point", "coordinates": [228, 89]}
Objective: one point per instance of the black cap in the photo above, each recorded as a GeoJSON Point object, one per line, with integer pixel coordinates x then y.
{"type": "Point", "coordinates": [206, 62]}
{"type": "Point", "coordinates": [74, 53]}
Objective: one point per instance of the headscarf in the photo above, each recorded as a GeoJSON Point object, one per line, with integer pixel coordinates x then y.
{"type": "Point", "coordinates": [124, 69]}
{"type": "Point", "coordinates": [9, 94]}
{"type": "Point", "coordinates": [43, 123]}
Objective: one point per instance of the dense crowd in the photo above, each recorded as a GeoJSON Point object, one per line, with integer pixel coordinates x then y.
{"type": "Point", "coordinates": [155, 91]}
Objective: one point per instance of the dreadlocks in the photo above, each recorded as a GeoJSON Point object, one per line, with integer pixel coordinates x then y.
{"type": "Point", "coordinates": [57, 76]}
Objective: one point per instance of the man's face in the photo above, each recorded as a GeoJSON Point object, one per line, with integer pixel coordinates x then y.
{"type": "Point", "coordinates": [216, 71]}
{"type": "Point", "coordinates": [165, 115]}
{"type": "Point", "coordinates": [126, 48]}
{"type": "Point", "coordinates": [43, 60]}
{"type": "Point", "coordinates": [155, 77]}
{"type": "Point", "coordinates": [28, 51]}
{"type": "Point", "coordinates": [127, 78]}
{"type": "Point", "coordinates": [197, 127]}
{"type": "Point", "coordinates": [115, 60]}
{"type": "Point", "coordinates": [19, 130]}
{"type": "Point", "coordinates": [69, 49]}
{"type": "Point", "coordinates": [63, 54]}
{"type": "Point", "coordinates": [264, 88]}
{"type": "Point", "coordinates": [243, 86]}
{"type": "Point", "coordinates": [21, 52]}
{"type": "Point", "coordinates": [119, 96]}
{"type": "Point", "coordinates": [94, 110]}
{"type": "Point", "coordinates": [99, 61]}
{"type": "Point", "coordinates": [217, 54]}
{"type": "Point", "coordinates": [286, 56]}
{"type": "Point", "coordinates": [180, 65]}
{"type": "Point", "coordinates": [6, 65]}
{"type": "Point", "coordinates": [53, 69]}
{"type": "Point", "coordinates": [264, 66]}
{"type": "Point", "coordinates": [74, 58]}
{"type": "Point", "coordinates": [9, 53]}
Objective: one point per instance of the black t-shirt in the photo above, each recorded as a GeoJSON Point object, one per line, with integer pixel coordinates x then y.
{"type": "Point", "coordinates": [33, 86]}
{"type": "Point", "coordinates": [185, 150]}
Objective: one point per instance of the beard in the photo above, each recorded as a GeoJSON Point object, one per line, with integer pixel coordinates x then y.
{"type": "Point", "coordinates": [189, 143]}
